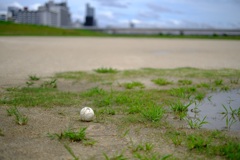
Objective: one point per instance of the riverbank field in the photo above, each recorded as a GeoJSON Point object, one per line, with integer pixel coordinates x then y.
{"type": "Point", "coordinates": [139, 114]}
{"type": "Point", "coordinates": [13, 29]}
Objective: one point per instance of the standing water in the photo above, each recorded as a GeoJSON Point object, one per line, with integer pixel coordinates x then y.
{"type": "Point", "coordinates": [222, 110]}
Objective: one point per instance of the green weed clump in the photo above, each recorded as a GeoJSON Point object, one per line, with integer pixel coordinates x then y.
{"type": "Point", "coordinates": [106, 70]}
{"type": "Point", "coordinates": [196, 123]}
{"type": "Point", "coordinates": [161, 81]}
{"type": "Point", "coordinates": [153, 113]}
{"type": "Point", "coordinates": [184, 82]}
{"type": "Point", "coordinates": [33, 78]}
{"type": "Point", "coordinates": [134, 84]}
{"type": "Point", "coordinates": [1, 132]}
{"type": "Point", "coordinates": [71, 135]}
{"type": "Point", "coordinates": [20, 119]}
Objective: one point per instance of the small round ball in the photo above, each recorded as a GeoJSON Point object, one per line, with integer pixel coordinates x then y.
{"type": "Point", "coordinates": [86, 114]}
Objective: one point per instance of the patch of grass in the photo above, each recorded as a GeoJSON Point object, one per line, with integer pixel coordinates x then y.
{"type": "Point", "coordinates": [19, 118]}
{"type": "Point", "coordinates": [184, 82]}
{"type": "Point", "coordinates": [197, 142]}
{"type": "Point", "coordinates": [107, 111]}
{"type": "Point", "coordinates": [180, 106]}
{"type": "Point", "coordinates": [161, 81]}
{"type": "Point", "coordinates": [152, 156]}
{"type": "Point", "coordinates": [146, 147]}
{"type": "Point", "coordinates": [106, 70]}
{"type": "Point", "coordinates": [41, 97]}
{"type": "Point", "coordinates": [231, 150]}
{"type": "Point", "coordinates": [218, 82]}
{"type": "Point", "coordinates": [70, 151]}
{"type": "Point", "coordinates": [117, 156]}
{"type": "Point", "coordinates": [200, 96]}
{"type": "Point", "coordinates": [50, 84]}
{"type": "Point", "coordinates": [182, 92]}
{"type": "Point", "coordinates": [94, 91]}
{"type": "Point", "coordinates": [134, 84]}
{"type": "Point", "coordinates": [153, 113]}
{"type": "Point", "coordinates": [196, 123]}
{"type": "Point", "coordinates": [1, 132]}
{"type": "Point", "coordinates": [78, 136]}
{"type": "Point", "coordinates": [33, 78]}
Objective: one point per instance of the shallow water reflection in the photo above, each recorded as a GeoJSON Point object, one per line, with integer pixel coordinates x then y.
{"type": "Point", "coordinates": [222, 110]}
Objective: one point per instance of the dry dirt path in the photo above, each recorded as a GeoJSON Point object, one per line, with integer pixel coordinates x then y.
{"type": "Point", "coordinates": [22, 56]}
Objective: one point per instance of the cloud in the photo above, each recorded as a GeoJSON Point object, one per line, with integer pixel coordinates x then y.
{"type": "Point", "coordinates": [35, 6]}
{"type": "Point", "coordinates": [147, 15]}
{"type": "Point", "coordinates": [113, 3]}
{"type": "Point", "coordinates": [16, 4]}
{"type": "Point", "coordinates": [107, 15]}
{"type": "Point", "coordinates": [160, 9]}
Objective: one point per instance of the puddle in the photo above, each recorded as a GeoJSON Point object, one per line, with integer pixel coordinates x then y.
{"type": "Point", "coordinates": [217, 116]}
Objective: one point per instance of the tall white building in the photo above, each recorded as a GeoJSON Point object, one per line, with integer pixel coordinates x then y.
{"type": "Point", "coordinates": [50, 14]}
{"type": "Point", "coordinates": [55, 14]}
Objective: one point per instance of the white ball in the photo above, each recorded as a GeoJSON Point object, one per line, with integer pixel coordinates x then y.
{"type": "Point", "coordinates": [86, 114]}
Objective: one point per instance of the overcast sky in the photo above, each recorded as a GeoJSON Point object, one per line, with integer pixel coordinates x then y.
{"type": "Point", "coordinates": [151, 13]}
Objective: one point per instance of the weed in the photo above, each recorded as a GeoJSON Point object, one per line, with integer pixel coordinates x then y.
{"type": "Point", "coordinates": [225, 88]}
{"type": "Point", "coordinates": [147, 147]}
{"type": "Point", "coordinates": [50, 84]}
{"type": "Point", "coordinates": [176, 137]}
{"type": "Point", "coordinates": [69, 149]}
{"type": "Point", "coordinates": [196, 123]}
{"type": "Point", "coordinates": [94, 91]}
{"type": "Point", "coordinates": [33, 78]}
{"type": "Point", "coordinates": [29, 83]}
{"type": "Point", "coordinates": [71, 135]}
{"type": "Point", "coordinates": [197, 142]}
{"type": "Point", "coordinates": [182, 92]}
{"type": "Point", "coordinates": [108, 111]}
{"type": "Point", "coordinates": [200, 96]}
{"type": "Point", "coordinates": [234, 81]}
{"type": "Point", "coordinates": [218, 82]}
{"type": "Point", "coordinates": [134, 84]}
{"type": "Point", "coordinates": [1, 132]}
{"type": "Point", "coordinates": [153, 156]}
{"type": "Point", "coordinates": [153, 113]}
{"type": "Point", "coordinates": [106, 70]}
{"type": "Point", "coordinates": [230, 150]}
{"type": "Point", "coordinates": [161, 81]}
{"type": "Point", "coordinates": [20, 119]}
{"type": "Point", "coordinates": [89, 142]}
{"type": "Point", "coordinates": [184, 82]}
{"type": "Point", "coordinates": [203, 85]}
{"type": "Point", "coordinates": [115, 157]}
{"type": "Point", "coordinates": [180, 107]}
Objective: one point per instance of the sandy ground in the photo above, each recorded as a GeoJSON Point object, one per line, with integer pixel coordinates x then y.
{"type": "Point", "coordinates": [22, 56]}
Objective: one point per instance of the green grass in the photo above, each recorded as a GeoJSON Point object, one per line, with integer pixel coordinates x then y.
{"type": "Point", "coordinates": [134, 84]}
{"type": "Point", "coordinates": [162, 81]}
{"type": "Point", "coordinates": [19, 117]}
{"type": "Point", "coordinates": [184, 82]}
{"type": "Point", "coordinates": [13, 29]}
{"type": "Point", "coordinates": [105, 70]}
{"type": "Point", "coordinates": [71, 135]}
{"type": "Point", "coordinates": [145, 113]}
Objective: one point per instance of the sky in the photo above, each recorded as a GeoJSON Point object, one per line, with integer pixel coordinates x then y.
{"type": "Point", "coordinates": [150, 13]}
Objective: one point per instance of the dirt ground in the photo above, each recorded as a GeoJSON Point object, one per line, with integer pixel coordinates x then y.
{"type": "Point", "coordinates": [44, 56]}
{"type": "Point", "coordinates": [22, 56]}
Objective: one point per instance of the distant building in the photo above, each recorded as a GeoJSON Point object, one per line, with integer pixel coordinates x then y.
{"type": "Point", "coordinates": [12, 13]}
{"type": "Point", "coordinates": [50, 14]}
{"type": "Point", "coordinates": [55, 14]}
{"type": "Point", "coordinates": [90, 19]}
{"type": "Point", "coordinates": [27, 17]}
{"type": "Point", "coordinates": [3, 17]}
